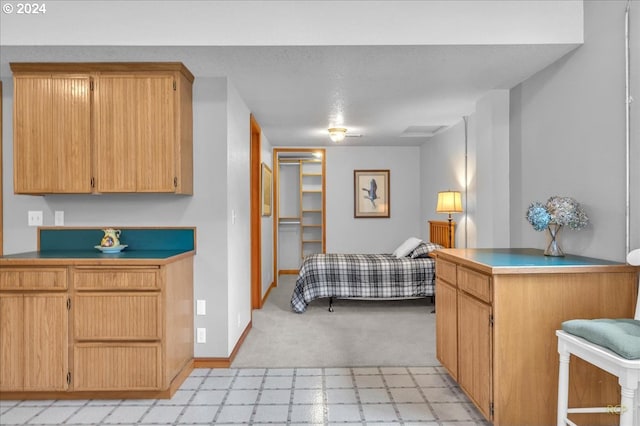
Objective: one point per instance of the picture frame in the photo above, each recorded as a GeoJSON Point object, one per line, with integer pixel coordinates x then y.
{"type": "Point", "coordinates": [266, 188]}
{"type": "Point", "coordinates": [371, 194]}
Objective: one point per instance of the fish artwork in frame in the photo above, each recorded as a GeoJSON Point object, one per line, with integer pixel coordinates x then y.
{"type": "Point", "coordinates": [371, 194]}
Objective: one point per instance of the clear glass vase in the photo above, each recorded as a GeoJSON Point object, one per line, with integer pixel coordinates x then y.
{"type": "Point", "coordinates": [553, 249]}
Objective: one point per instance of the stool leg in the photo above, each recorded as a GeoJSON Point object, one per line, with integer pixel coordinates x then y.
{"type": "Point", "coordinates": [626, 405]}
{"type": "Point", "coordinates": [563, 385]}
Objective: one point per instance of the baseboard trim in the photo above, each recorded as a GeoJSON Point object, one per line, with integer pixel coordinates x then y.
{"type": "Point", "coordinates": [288, 272]}
{"type": "Point", "coordinates": [271, 287]}
{"type": "Point", "coordinates": [223, 362]}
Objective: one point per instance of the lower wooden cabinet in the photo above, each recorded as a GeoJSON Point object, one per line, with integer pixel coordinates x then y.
{"type": "Point", "coordinates": [447, 327]}
{"type": "Point", "coordinates": [475, 351]}
{"type": "Point", "coordinates": [112, 329]}
{"type": "Point", "coordinates": [496, 316]}
{"type": "Point", "coordinates": [33, 330]}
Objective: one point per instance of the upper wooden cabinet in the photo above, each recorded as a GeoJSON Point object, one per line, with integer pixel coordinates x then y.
{"type": "Point", "coordinates": [102, 127]}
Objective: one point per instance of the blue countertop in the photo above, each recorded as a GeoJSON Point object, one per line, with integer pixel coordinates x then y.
{"type": "Point", "coordinates": [530, 257]}
{"type": "Point", "coordinates": [527, 260]}
{"type": "Point", "coordinates": [94, 254]}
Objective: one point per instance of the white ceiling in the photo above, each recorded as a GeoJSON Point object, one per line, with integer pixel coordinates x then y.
{"type": "Point", "coordinates": [379, 92]}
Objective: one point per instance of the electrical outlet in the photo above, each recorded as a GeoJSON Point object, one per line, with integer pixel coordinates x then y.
{"type": "Point", "coordinates": [35, 218]}
{"type": "Point", "coordinates": [201, 307]}
{"type": "Point", "coordinates": [201, 335]}
{"type": "Point", "coordinates": [58, 218]}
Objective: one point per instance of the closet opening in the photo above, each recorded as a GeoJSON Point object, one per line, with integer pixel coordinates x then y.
{"type": "Point", "coordinates": [299, 207]}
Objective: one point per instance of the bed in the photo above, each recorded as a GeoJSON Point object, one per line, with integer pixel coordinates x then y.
{"type": "Point", "coordinates": [370, 276]}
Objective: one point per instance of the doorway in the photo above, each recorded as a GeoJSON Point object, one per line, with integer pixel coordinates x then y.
{"type": "Point", "coordinates": [299, 207]}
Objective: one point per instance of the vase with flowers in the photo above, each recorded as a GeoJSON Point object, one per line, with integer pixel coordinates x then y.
{"type": "Point", "coordinates": [552, 216]}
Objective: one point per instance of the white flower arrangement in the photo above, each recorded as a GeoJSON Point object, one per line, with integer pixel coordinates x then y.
{"type": "Point", "coordinates": [563, 211]}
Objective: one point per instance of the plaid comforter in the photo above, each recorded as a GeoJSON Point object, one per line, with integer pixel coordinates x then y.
{"type": "Point", "coordinates": [362, 275]}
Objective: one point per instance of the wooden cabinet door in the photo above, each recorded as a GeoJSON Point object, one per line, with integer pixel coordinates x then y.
{"type": "Point", "coordinates": [11, 342]}
{"type": "Point", "coordinates": [45, 342]}
{"type": "Point", "coordinates": [447, 327]}
{"type": "Point", "coordinates": [475, 351]}
{"type": "Point", "coordinates": [135, 133]}
{"type": "Point", "coordinates": [52, 134]}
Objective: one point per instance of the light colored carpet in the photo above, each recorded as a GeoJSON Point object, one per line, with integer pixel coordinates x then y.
{"type": "Point", "coordinates": [358, 333]}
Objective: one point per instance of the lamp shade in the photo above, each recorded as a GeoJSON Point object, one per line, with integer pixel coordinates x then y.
{"type": "Point", "coordinates": [449, 202]}
{"type": "Point", "coordinates": [337, 134]}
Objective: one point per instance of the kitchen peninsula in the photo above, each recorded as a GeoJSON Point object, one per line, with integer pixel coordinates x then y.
{"type": "Point", "coordinates": [79, 323]}
{"type": "Point", "coordinates": [497, 312]}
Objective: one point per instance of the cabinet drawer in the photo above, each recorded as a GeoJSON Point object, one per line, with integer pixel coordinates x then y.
{"type": "Point", "coordinates": [33, 279]}
{"type": "Point", "coordinates": [446, 271]}
{"type": "Point", "coordinates": [117, 366]}
{"type": "Point", "coordinates": [116, 279]}
{"type": "Point", "coordinates": [117, 316]}
{"type": "Point", "coordinates": [474, 283]}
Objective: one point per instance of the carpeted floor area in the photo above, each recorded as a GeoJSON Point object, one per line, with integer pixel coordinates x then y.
{"type": "Point", "coordinates": [357, 334]}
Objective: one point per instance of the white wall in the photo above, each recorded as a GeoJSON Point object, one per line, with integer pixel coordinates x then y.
{"type": "Point", "coordinates": [568, 137]}
{"type": "Point", "coordinates": [441, 169]}
{"type": "Point", "coordinates": [490, 182]}
{"type": "Point", "coordinates": [239, 218]}
{"type": "Point", "coordinates": [344, 233]}
{"type": "Point", "coordinates": [446, 163]}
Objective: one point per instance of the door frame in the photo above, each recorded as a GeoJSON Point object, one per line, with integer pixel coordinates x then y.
{"type": "Point", "coordinates": [256, 214]}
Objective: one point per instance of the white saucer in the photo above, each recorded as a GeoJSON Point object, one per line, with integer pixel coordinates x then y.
{"type": "Point", "coordinates": [114, 249]}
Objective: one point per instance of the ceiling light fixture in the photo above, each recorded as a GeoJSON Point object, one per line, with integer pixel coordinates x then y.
{"type": "Point", "coordinates": [337, 134]}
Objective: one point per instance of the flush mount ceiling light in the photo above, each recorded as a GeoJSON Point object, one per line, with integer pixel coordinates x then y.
{"type": "Point", "coordinates": [337, 134]}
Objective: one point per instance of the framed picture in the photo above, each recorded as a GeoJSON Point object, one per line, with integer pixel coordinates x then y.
{"type": "Point", "coordinates": [371, 193]}
{"type": "Point", "coordinates": [267, 180]}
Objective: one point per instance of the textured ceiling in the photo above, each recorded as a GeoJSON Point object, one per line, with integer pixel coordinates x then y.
{"type": "Point", "coordinates": [378, 92]}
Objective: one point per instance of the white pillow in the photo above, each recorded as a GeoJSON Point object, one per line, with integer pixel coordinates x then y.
{"type": "Point", "coordinates": [407, 247]}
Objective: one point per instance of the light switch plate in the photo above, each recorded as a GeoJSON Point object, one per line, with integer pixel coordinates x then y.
{"type": "Point", "coordinates": [201, 307]}
{"type": "Point", "coordinates": [58, 218]}
{"type": "Point", "coordinates": [201, 335]}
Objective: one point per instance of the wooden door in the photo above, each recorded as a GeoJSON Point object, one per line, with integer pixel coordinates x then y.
{"type": "Point", "coordinates": [447, 327]}
{"type": "Point", "coordinates": [135, 133]}
{"type": "Point", "coordinates": [11, 342]}
{"type": "Point", "coordinates": [52, 134]}
{"type": "Point", "coordinates": [474, 350]}
{"type": "Point", "coordinates": [45, 342]}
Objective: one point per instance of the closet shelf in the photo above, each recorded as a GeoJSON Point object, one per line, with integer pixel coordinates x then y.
{"type": "Point", "coordinates": [311, 241]}
{"type": "Point", "coordinates": [312, 226]}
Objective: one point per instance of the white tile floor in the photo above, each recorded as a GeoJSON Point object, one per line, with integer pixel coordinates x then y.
{"type": "Point", "coordinates": [291, 396]}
